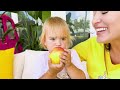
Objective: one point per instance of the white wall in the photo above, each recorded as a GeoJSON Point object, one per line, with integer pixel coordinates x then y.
{"type": "Point", "coordinates": [14, 16]}
{"type": "Point", "coordinates": [92, 30]}
{"type": "Point", "coordinates": [61, 14]}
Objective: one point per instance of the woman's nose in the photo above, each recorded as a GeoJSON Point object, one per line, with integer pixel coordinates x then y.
{"type": "Point", "coordinates": [96, 19]}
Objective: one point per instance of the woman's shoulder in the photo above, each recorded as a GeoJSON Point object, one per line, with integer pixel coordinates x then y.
{"type": "Point", "coordinates": [87, 43]}
{"type": "Point", "coordinates": [92, 39]}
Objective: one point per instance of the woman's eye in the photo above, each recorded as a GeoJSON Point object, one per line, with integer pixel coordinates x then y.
{"type": "Point", "coordinates": [104, 12]}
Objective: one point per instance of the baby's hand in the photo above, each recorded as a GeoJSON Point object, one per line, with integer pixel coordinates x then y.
{"type": "Point", "coordinates": [65, 57]}
{"type": "Point", "coordinates": [55, 68]}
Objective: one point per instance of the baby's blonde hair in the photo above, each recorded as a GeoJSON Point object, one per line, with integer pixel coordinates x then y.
{"type": "Point", "coordinates": [56, 25]}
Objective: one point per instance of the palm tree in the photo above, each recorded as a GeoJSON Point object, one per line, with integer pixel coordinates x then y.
{"type": "Point", "coordinates": [68, 20]}
{"type": "Point", "coordinates": [85, 22]}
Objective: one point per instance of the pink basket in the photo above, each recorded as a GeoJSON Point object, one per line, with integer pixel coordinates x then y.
{"type": "Point", "coordinates": [8, 41]}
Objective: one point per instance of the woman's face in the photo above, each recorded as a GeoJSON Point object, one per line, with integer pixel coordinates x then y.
{"type": "Point", "coordinates": [55, 40]}
{"type": "Point", "coordinates": [107, 25]}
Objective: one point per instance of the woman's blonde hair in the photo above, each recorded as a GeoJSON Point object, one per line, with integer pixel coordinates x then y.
{"type": "Point", "coordinates": [56, 25]}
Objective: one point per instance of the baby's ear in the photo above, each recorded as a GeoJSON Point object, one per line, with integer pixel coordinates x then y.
{"type": "Point", "coordinates": [45, 42]}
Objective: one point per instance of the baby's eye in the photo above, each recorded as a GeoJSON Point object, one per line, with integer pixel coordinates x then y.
{"type": "Point", "coordinates": [52, 39]}
{"type": "Point", "coordinates": [104, 12]}
{"type": "Point", "coordinates": [63, 38]}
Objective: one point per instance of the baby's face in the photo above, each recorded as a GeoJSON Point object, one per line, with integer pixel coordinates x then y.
{"type": "Point", "coordinates": [56, 40]}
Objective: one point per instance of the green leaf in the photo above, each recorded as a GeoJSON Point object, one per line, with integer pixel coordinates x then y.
{"type": "Point", "coordinates": [45, 15]}
{"type": "Point", "coordinates": [35, 14]}
{"type": "Point", "coordinates": [6, 33]}
{"type": "Point", "coordinates": [13, 11]}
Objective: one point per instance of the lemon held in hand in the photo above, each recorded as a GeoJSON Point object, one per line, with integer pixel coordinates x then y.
{"type": "Point", "coordinates": [55, 55]}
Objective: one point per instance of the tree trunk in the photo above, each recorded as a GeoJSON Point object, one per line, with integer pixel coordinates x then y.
{"type": "Point", "coordinates": [85, 22]}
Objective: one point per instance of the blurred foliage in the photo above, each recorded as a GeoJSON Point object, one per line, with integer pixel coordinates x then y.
{"type": "Point", "coordinates": [78, 27]}
{"type": "Point", "coordinates": [29, 29]}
